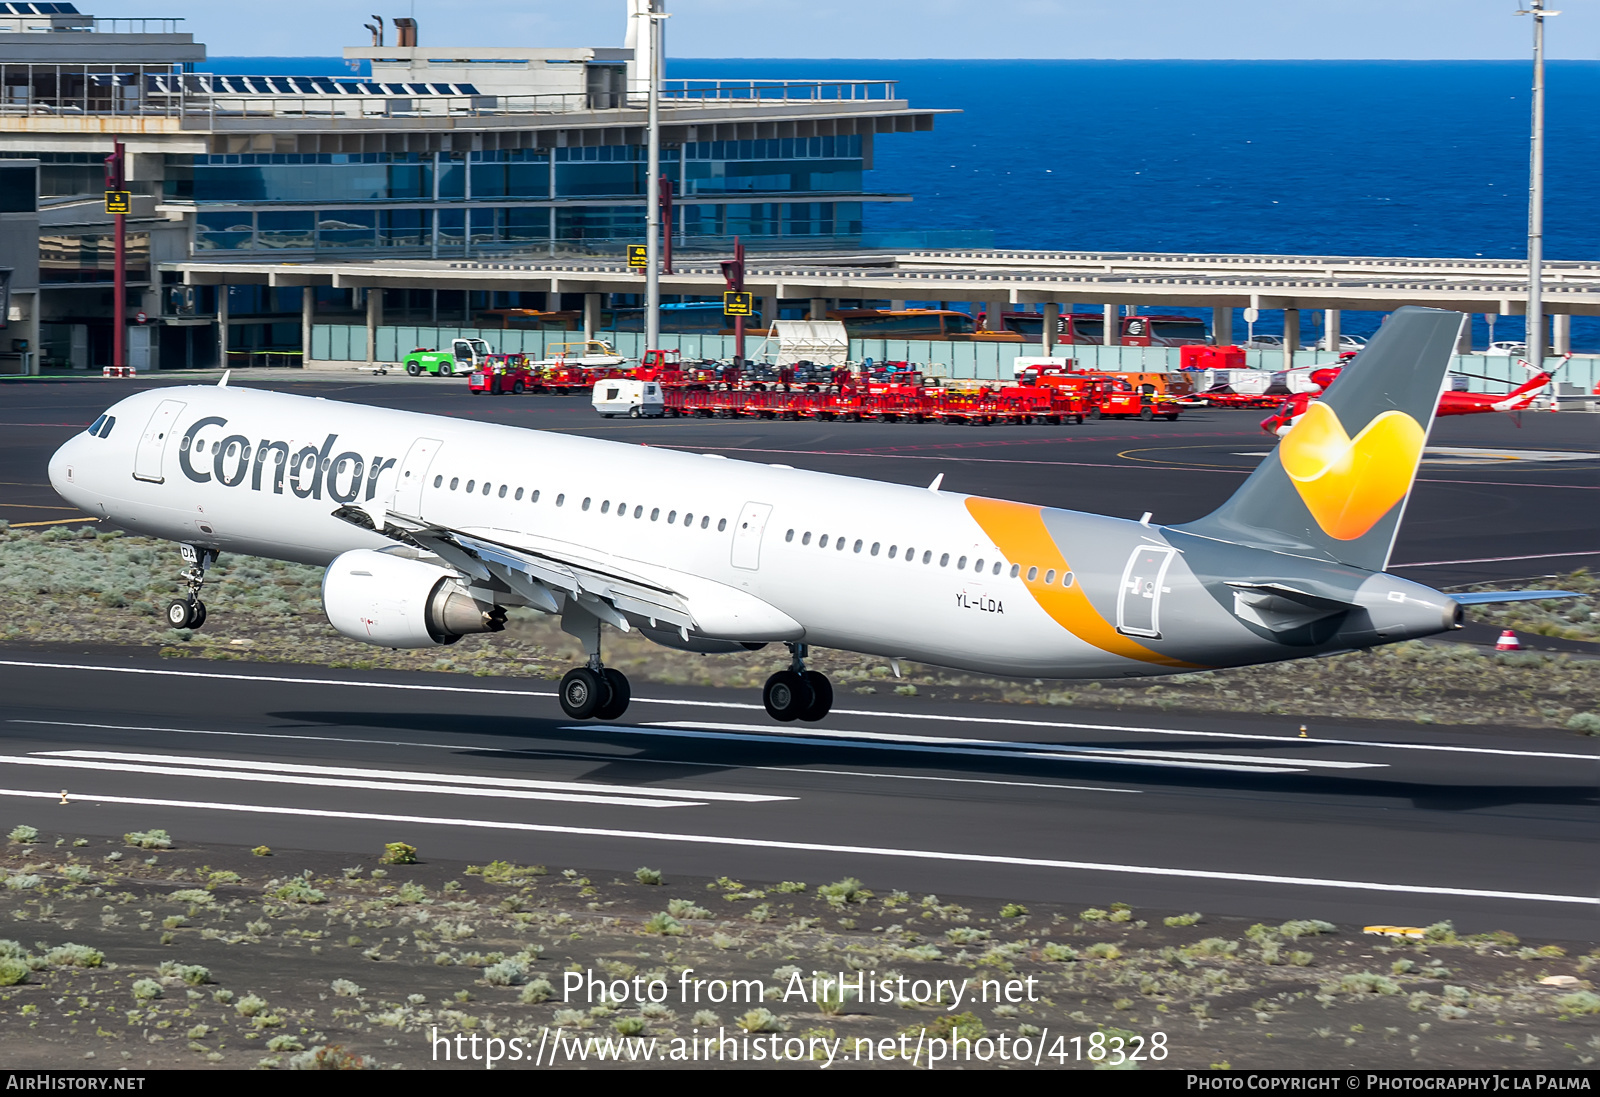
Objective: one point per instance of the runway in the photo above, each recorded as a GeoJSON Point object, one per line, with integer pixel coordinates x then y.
{"type": "Point", "coordinates": [1227, 815]}
{"type": "Point", "coordinates": [1498, 497]}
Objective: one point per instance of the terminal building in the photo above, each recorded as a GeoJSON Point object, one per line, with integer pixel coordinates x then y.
{"type": "Point", "coordinates": [443, 151]}
{"type": "Point", "coordinates": [340, 220]}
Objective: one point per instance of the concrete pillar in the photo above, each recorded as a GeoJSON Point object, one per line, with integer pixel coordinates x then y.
{"type": "Point", "coordinates": [591, 315]}
{"type": "Point", "coordinates": [308, 306]}
{"type": "Point", "coordinates": [819, 308]}
{"type": "Point", "coordinates": [222, 327]}
{"type": "Point", "coordinates": [1330, 329]}
{"type": "Point", "coordinates": [1222, 326]}
{"type": "Point", "coordinates": [1112, 321]}
{"type": "Point", "coordinates": [896, 306]}
{"type": "Point", "coordinates": [995, 315]}
{"type": "Point", "coordinates": [374, 320]}
{"type": "Point", "coordinates": [1464, 338]}
{"type": "Point", "coordinates": [1561, 331]}
{"type": "Point", "coordinates": [1052, 318]}
{"type": "Point", "coordinates": [1291, 336]}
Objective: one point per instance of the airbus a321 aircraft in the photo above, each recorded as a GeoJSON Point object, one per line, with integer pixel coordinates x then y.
{"type": "Point", "coordinates": [432, 527]}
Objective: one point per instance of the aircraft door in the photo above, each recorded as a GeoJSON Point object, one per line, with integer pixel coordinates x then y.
{"type": "Point", "coordinates": [1139, 597]}
{"type": "Point", "coordinates": [153, 443]}
{"type": "Point", "coordinates": [413, 473]}
{"type": "Point", "coordinates": [747, 535]}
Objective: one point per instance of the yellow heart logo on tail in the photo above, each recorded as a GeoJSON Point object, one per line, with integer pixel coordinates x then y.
{"type": "Point", "coordinates": [1346, 483]}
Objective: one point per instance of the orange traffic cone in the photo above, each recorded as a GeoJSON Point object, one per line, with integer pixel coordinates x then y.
{"type": "Point", "coordinates": [1508, 642]}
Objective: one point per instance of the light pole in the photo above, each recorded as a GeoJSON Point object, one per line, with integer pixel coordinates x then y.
{"type": "Point", "coordinates": [652, 201]}
{"type": "Point", "coordinates": [1535, 310]}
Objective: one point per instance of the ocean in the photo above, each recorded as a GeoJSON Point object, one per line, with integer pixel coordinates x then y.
{"type": "Point", "coordinates": [1414, 158]}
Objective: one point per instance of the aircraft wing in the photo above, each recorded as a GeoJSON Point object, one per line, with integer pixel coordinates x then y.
{"type": "Point", "coordinates": [545, 571]}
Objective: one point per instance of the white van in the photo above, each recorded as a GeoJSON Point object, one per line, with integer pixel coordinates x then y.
{"type": "Point", "coordinates": [635, 399]}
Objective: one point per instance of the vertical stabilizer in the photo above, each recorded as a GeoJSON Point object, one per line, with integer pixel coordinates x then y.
{"type": "Point", "coordinates": [1336, 486]}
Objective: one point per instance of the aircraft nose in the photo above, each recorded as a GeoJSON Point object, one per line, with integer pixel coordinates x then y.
{"type": "Point", "coordinates": [66, 468]}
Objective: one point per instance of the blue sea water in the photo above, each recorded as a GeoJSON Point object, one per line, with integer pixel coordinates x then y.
{"type": "Point", "coordinates": [1309, 157]}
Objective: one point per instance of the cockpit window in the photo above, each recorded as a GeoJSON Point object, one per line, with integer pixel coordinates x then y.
{"type": "Point", "coordinates": [94, 427]}
{"type": "Point", "coordinates": [105, 431]}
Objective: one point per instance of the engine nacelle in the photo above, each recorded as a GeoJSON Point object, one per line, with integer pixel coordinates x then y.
{"type": "Point", "coordinates": [394, 602]}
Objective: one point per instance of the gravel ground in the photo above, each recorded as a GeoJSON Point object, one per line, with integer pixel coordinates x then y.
{"type": "Point", "coordinates": [133, 953]}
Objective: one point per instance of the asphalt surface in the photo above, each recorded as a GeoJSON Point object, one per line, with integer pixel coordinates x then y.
{"type": "Point", "coordinates": [1507, 497]}
{"type": "Point", "coordinates": [1228, 815]}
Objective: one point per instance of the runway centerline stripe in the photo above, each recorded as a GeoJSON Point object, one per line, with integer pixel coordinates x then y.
{"type": "Point", "coordinates": [828, 847]}
{"type": "Point", "coordinates": [988, 746]}
{"type": "Point", "coordinates": [1007, 721]}
{"type": "Point", "coordinates": [330, 782]}
{"type": "Point", "coordinates": [403, 775]}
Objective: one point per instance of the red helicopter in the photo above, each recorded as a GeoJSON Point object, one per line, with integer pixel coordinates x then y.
{"type": "Point", "coordinates": [1450, 403]}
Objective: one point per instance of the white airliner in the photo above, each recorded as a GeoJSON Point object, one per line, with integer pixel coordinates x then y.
{"type": "Point", "coordinates": [431, 527]}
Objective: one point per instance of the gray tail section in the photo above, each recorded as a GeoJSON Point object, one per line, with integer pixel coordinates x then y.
{"type": "Point", "coordinates": [1337, 485]}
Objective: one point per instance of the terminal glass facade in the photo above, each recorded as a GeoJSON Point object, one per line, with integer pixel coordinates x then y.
{"type": "Point", "coordinates": [517, 198]}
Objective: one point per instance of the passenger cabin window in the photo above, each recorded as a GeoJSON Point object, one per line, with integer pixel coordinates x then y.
{"type": "Point", "coordinates": [944, 560]}
{"type": "Point", "coordinates": [455, 482]}
{"type": "Point", "coordinates": [1016, 569]}
{"type": "Point", "coordinates": [789, 536]}
{"type": "Point", "coordinates": [534, 498]}
{"type": "Point", "coordinates": [486, 487]}
{"type": "Point", "coordinates": [638, 512]}
{"type": "Point", "coordinates": [892, 550]}
{"type": "Point", "coordinates": [503, 490]}
{"type": "Point", "coordinates": [586, 501]}
{"type": "Point", "coordinates": [927, 556]}
{"type": "Point", "coordinates": [672, 517]}
{"type": "Point", "coordinates": [1033, 573]}
{"type": "Point", "coordinates": [1049, 576]}
{"type": "Point", "coordinates": [560, 499]}
{"type": "Point", "coordinates": [470, 485]}
{"type": "Point", "coordinates": [858, 545]}
{"type": "Point", "coordinates": [518, 496]}
{"type": "Point", "coordinates": [706, 521]}
{"type": "Point", "coordinates": [605, 507]}
{"type": "Point", "coordinates": [822, 542]}
{"type": "Point", "coordinates": [805, 538]}
{"type": "Point", "coordinates": [688, 520]}
{"type": "Point", "coordinates": [438, 480]}
{"type": "Point", "coordinates": [722, 524]}
{"type": "Point", "coordinates": [875, 546]}
{"type": "Point", "coordinates": [961, 564]}
{"type": "Point", "coordinates": [655, 512]}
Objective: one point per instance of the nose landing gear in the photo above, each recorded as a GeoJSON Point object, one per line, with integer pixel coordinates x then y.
{"type": "Point", "coordinates": [798, 693]}
{"type": "Point", "coordinates": [190, 612]}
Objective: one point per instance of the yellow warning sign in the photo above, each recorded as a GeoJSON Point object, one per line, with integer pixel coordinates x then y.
{"type": "Point", "coordinates": [638, 255]}
{"type": "Point", "coordinates": [119, 201]}
{"type": "Point", "coordinates": [735, 303]}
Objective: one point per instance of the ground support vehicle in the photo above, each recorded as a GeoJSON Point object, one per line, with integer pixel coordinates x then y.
{"type": "Point", "coordinates": [503, 373]}
{"type": "Point", "coordinates": [629, 396]}
{"type": "Point", "coordinates": [464, 356]}
{"type": "Point", "coordinates": [1116, 399]}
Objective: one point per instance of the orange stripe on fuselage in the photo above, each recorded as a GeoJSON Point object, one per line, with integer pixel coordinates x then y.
{"type": "Point", "coordinates": [1019, 531]}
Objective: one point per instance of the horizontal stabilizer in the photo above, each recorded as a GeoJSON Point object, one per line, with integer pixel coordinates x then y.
{"type": "Point", "coordinates": [1491, 597]}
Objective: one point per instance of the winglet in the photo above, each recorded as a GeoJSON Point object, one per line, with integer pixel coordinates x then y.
{"type": "Point", "coordinates": [937, 480]}
{"type": "Point", "coordinates": [223, 382]}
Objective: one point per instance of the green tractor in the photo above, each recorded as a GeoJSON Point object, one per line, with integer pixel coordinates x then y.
{"type": "Point", "coordinates": [464, 356]}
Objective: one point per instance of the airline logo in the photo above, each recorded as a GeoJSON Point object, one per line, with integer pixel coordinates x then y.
{"type": "Point", "coordinates": [1349, 484]}
{"type": "Point", "coordinates": [207, 454]}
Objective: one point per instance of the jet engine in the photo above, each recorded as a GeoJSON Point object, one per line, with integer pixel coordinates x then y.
{"type": "Point", "coordinates": [394, 602]}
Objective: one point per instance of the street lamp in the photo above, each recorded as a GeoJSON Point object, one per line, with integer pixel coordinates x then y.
{"type": "Point", "coordinates": [652, 201]}
{"type": "Point", "coordinates": [1535, 310]}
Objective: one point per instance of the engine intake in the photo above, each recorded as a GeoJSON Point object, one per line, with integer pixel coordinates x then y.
{"type": "Point", "coordinates": [394, 602]}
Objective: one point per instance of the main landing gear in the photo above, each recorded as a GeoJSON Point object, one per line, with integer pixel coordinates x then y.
{"type": "Point", "coordinates": [594, 691]}
{"type": "Point", "coordinates": [798, 693]}
{"type": "Point", "coordinates": [190, 612]}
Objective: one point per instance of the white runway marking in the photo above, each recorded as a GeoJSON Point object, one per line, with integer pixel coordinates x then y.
{"type": "Point", "coordinates": [749, 707]}
{"type": "Point", "coordinates": [332, 777]}
{"type": "Point", "coordinates": [1003, 748]}
{"type": "Point", "coordinates": [826, 847]}
{"type": "Point", "coordinates": [391, 774]}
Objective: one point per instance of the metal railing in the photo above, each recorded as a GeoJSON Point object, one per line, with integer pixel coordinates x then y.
{"type": "Point", "coordinates": [745, 90]}
{"type": "Point", "coordinates": [157, 25]}
{"type": "Point", "coordinates": [98, 90]}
